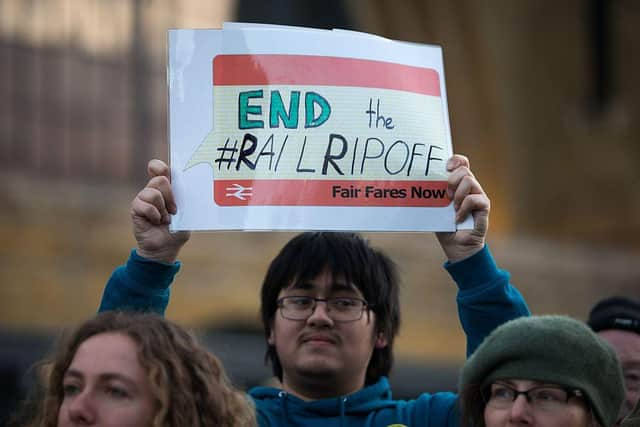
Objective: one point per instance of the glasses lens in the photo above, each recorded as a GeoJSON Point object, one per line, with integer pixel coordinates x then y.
{"type": "Point", "coordinates": [549, 398]}
{"type": "Point", "coordinates": [296, 308]}
{"type": "Point", "coordinates": [500, 396]}
{"type": "Point", "coordinates": [339, 309]}
{"type": "Point", "coordinates": [345, 309]}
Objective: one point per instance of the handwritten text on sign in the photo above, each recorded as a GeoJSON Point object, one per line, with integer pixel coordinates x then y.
{"type": "Point", "coordinates": [297, 130]}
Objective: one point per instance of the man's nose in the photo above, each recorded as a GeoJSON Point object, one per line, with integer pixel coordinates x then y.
{"type": "Point", "coordinates": [320, 315]}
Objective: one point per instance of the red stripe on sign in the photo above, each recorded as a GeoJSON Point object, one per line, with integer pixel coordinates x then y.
{"type": "Point", "coordinates": [300, 192]}
{"type": "Point", "coordinates": [322, 71]}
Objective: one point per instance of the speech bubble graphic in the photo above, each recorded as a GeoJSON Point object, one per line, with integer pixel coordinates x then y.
{"type": "Point", "coordinates": [303, 130]}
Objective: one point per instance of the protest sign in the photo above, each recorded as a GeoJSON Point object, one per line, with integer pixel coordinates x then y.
{"type": "Point", "coordinates": [285, 128]}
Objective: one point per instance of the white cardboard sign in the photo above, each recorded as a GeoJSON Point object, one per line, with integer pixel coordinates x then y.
{"type": "Point", "coordinates": [286, 128]}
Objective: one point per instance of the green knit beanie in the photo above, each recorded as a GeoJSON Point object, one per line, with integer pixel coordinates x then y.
{"type": "Point", "coordinates": [552, 349]}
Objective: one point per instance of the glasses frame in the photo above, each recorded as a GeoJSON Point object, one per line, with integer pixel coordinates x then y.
{"type": "Point", "coordinates": [365, 307]}
{"type": "Point", "coordinates": [571, 392]}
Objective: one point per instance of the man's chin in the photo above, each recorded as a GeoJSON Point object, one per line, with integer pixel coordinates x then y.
{"type": "Point", "coordinates": [319, 367]}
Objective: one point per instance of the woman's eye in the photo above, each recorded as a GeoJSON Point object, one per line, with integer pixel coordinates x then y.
{"type": "Point", "coordinates": [502, 393]}
{"type": "Point", "coordinates": [70, 389]}
{"type": "Point", "coordinates": [549, 395]}
{"type": "Point", "coordinates": [116, 392]}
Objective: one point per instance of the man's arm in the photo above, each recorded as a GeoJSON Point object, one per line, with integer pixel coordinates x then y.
{"type": "Point", "coordinates": [142, 284]}
{"type": "Point", "coordinates": [485, 299]}
{"type": "Point", "coordinates": [139, 285]}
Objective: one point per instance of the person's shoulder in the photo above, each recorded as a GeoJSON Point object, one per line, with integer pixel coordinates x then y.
{"type": "Point", "coordinates": [440, 398]}
{"type": "Point", "coordinates": [430, 409]}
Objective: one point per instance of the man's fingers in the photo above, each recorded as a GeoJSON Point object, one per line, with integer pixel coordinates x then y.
{"type": "Point", "coordinates": [468, 185]}
{"type": "Point", "coordinates": [455, 178]}
{"type": "Point", "coordinates": [157, 167]}
{"type": "Point", "coordinates": [150, 204]}
{"type": "Point", "coordinates": [473, 204]}
{"type": "Point", "coordinates": [163, 185]}
{"type": "Point", "coordinates": [469, 195]}
{"type": "Point", "coordinates": [456, 161]}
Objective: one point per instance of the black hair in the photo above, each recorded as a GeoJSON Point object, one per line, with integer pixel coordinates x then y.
{"type": "Point", "coordinates": [350, 257]}
{"type": "Point", "coordinates": [471, 406]}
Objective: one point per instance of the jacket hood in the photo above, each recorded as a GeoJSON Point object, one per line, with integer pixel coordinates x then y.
{"type": "Point", "coordinates": [296, 411]}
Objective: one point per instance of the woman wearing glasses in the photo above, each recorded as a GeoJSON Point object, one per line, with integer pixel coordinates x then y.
{"type": "Point", "coordinates": [542, 371]}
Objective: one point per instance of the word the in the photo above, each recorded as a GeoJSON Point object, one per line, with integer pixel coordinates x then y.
{"type": "Point", "coordinates": [387, 122]}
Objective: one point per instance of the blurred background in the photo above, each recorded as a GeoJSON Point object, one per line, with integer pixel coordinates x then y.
{"type": "Point", "coordinates": [543, 98]}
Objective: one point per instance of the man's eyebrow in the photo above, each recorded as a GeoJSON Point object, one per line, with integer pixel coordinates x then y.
{"type": "Point", "coordinates": [333, 287]}
{"type": "Point", "coordinates": [304, 285]}
{"type": "Point", "coordinates": [343, 286]}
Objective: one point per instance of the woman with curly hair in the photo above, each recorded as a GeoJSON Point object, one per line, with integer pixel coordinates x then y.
{"type": "Point", "coordinates": [125, 369]}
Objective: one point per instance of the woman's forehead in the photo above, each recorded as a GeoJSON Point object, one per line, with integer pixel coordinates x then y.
{"type": "Point", "coordinates": [527, 383]}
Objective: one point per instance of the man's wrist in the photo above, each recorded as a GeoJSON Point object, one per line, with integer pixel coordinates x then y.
{"type": "Point", "coordinates": [458, 255]}
{"type": "Point", "coordinates": [163, 257]}
{"type": "Point", "coordinates": [476, 270]}
{"type": "Point", "coordinates": [150, 273]}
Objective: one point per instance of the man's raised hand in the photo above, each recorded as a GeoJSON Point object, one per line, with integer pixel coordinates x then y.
{"type": "Point", "coordinates": [468, 198]}
{"type": "Point", "coordinates": [151, 212]}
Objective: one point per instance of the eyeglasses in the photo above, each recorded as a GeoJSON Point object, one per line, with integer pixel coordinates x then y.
{"type": "Point", "coordinates": [339, 309]}
{"type": "Point", "coordinates": [545, 398]}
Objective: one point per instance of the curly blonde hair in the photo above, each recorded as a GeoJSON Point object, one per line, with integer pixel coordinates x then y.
{"type": "Point", "coordinates": [188, 383]}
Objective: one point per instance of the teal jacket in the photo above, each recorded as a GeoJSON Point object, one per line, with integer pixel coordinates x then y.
{"type": "Point", "coordinates": [370, 406]}
{"type": "Point", "coordinates": [485, 300]}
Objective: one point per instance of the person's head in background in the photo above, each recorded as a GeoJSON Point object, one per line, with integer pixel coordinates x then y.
{"type": "Point", "coordinates": [125, 369]}
{"type": "Point", "coordinates": [617, 321]}
{"type": "Point", "coordinates": [541, 371]}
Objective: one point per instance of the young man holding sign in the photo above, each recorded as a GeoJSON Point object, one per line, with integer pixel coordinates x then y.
{"type": "Point", "coordinates": [329, 304]}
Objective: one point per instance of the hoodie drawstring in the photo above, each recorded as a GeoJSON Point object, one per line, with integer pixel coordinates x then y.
{"type": "Point", "coordinates": [283, 404]}
{"type": "Point", "coordinates": [343, 402]}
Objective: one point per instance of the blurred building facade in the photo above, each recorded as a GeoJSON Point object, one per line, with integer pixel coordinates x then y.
{"type": "Point", "coordinates": [542, 97]}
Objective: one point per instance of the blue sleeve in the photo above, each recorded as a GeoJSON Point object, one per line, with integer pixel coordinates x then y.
{"type": "Point", "coordinates": [139, 285]}
{"type": "Point", "coordinates": [438, 409]}
{"type": "Point", "coordinates": [485, 299]}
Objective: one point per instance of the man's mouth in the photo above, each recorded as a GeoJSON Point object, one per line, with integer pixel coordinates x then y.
{"type": "Point", "coordinates": [318, 339]}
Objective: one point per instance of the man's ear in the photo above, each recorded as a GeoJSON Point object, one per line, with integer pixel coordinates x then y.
{"type": "Point", "coordinates": [381, 340]}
